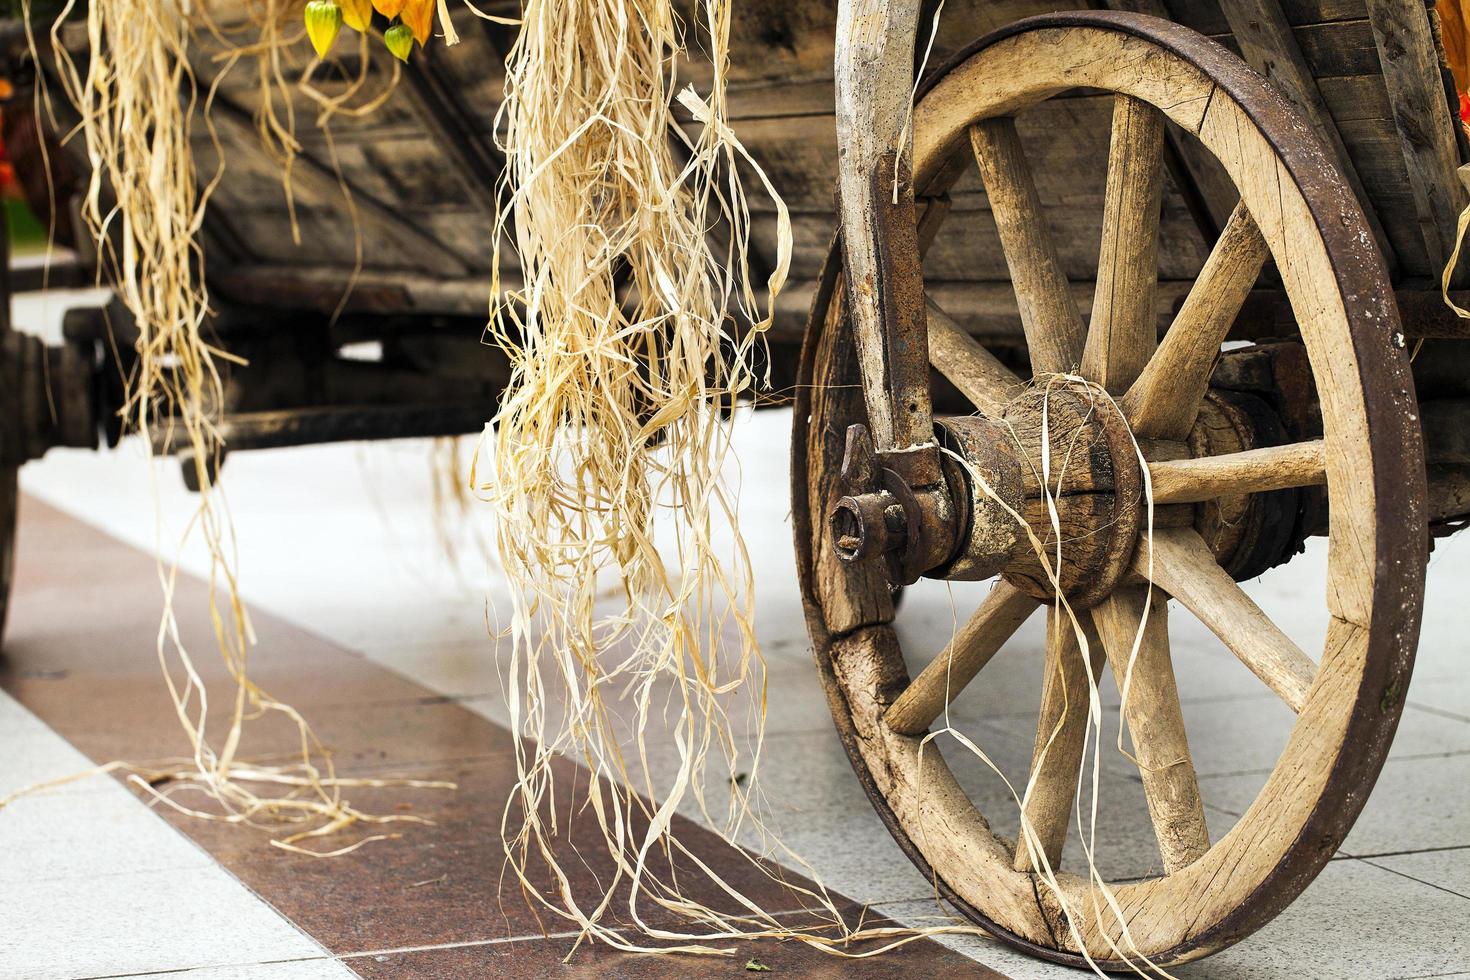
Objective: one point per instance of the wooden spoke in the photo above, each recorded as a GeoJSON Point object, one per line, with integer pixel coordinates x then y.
{"type": "Point", "coordinates": [1155, 722]}
{"type": "Point", "coordinates": [1187, 481]}
{"type": "Point", "coordinates": [1049, 315]}
{"type": "Point", "coordinates": [1123, 330]}
{"type": "Point", "coordinates": [1061, 729]}
{"type": "Point", "coordinates": [1184, 567]}
{"type": "Point", "coordinates": [985, 381]}
{"type": "Point", "coordinates": [997, 619]}
{"type": "Point", "coordinates": [1163, 402]}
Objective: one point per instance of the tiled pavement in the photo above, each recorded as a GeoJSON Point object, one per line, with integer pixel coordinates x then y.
{"type": "Point", "coordinates": [95, 884]}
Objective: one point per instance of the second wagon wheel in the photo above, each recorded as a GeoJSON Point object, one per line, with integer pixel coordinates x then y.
{"type": "Point", "coordinates": [1295, 209]}
{"type": "Point", "coordinates": [9, 471]}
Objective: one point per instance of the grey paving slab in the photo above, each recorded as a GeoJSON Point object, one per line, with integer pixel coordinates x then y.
{"type": "Point", "coordinates": [321, 968]}
{"type": "Point", "coordinates": [1416, 804]}
{"type": "Point", "coordinates": [1445, 693]}
{"type": "Point", "coordinates": [1348, 925]}
{"type": "Point", "coordinates": [104, 833]}
{"type": "Point", "coordinates": [1355, 921]}
{"type": "Point", "coordinates": [1448, 869]}
{"type": "Point", "coordinates": [35, 754]}
{"type": "Point", "coordinates": [97, 884]}
{"type": "Point", "coordinates": [138, 922]}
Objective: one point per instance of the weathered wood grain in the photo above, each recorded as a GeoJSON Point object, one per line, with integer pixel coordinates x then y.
{"type": "Point", "coordinates": [1049, 317]}
{"type": "Point", "coordinates": [1411, 70]}
{"type": "Point", "coordinates": [1183, 566]}
{"type": "Point", "coordinates": [1001, 613]}
{"type": "Point", "coordinates": [1121, 334]}
{"type": "Point", "coordinates": [1184, 481]}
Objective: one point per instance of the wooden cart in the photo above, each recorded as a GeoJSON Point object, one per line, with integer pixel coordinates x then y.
{"type": "Point", "coordinates": [1211, 231]}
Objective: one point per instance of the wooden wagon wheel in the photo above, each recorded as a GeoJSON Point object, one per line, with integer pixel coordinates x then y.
{"type": "Point", "coordinates": [9, 487]}
{"type": "Point", "coordinates": [1295, 207]}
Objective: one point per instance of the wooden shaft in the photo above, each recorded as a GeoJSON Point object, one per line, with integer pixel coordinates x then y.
{"type": "Point", "coordinates": [976, 372]}
{"type": "Point", "coordinates": [997, 619]}
{"type": "Point", "coordinates": [1123, 332]}
{"type": "Point", "coordinates": [873, 76]}
{"type": "Point", "coordinates": [1184, 567]}
{"type": "Point", "coordinates": [1049, 316]}
{"type": "Point", "coordinates": [1165, 399]}
{"type": "Point", "coordinates": [1185, 481]}
{"type": "Point", "coordinates": [1061, 730]}
{"type": "Point", "coordinates": [1155, 721]}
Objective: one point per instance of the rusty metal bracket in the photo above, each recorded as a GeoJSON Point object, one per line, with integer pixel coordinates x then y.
{"type": "Point", "coordinates": [48, 397]}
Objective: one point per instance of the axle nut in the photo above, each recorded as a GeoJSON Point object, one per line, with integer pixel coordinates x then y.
{"type": "Point", "coordinates": [866, 525]}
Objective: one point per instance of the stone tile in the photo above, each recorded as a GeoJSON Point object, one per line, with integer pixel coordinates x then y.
{"type": "Point", "coordinates": [443, 883]}
{"type": "Point", "coordinates": [317, 968]}
{"type": "Point", "coordinates": [1354, 921]}
{"type": "Point", "coordinates": [929, 913]}
{"type": "Point", "coordinates": [139, 923]}
{"type": "Point", "coordinates": [34, 754]}
{"type": "Point", "coordinates": [379, 584]}
{"type": "Point", "coordinates": [1343, 927]}
{"type": "Point", "coordinates": [1416, 804]}
{"type": "Point", "coordinates": [1443, 644]}
{"type": "Point", "coordinates": [794, 703]}
{"type": "Point", "coordinates": [1447, 694]}
{"type": "Point", "coordinates": [1448, 869]}
{"type": "Point", "coordinates": [107, 832]}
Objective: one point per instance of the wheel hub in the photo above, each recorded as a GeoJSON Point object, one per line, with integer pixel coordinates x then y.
{"type": "Point", "coordinates": [1061, 458]}
{"type": "Point", "coordinates": [1048, 495]}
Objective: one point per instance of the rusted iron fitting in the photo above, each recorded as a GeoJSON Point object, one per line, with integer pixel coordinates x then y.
{"type": "Point", "coordinates": [964, 526]}
{"type": "Point", "coordinates": [983, 471]}
{"type": "Point", "coordinates": [867, 525]}
{"type": "Point", "coordinates": [882, 515]}
{"type": "Point", "coordinates": [48, 397]}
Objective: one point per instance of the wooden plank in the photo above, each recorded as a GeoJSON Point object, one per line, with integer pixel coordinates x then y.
{"type": "Point", "coordinates": [1209, 19]}
{"type": "Point", "coordinates": [1270, 47]}
{"type": "Point", "coordinates": [1411, 70]}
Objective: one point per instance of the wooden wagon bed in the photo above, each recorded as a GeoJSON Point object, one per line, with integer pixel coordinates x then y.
{"type": "Point", "coordinates": [422, 169]}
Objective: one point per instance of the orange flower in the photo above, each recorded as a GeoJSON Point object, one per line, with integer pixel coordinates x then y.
{"type": "Point", "coordinates": [419, 16]}
{"type": "Point", "coordinates": [357, 14]}
{"type": "Point", "coordinates": [388, 8]}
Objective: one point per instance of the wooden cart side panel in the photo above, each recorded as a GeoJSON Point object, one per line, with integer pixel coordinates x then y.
{"type": "Point", "coordinates": [423, 213]}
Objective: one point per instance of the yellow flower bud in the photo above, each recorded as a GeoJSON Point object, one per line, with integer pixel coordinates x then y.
{"type": "Point", "coordinates": [399, 39]}
{"type": "Point", "coordinates": [358, 14]}
{"type": "Point", "coordinates": [419, 16]}
{"type": "Point", "coordinates": [323, 21]}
